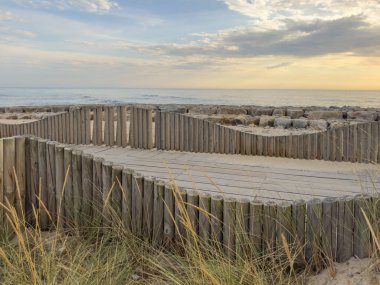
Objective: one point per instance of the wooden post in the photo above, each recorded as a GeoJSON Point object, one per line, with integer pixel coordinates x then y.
{"type": "Point", "coordinates": [76, 126]}
{"type": "Point", "coordinates": [158, 213]}
{"type": "Point", "coordinates": [71, 126]}
{"type": "Point", "coordinates": [362, 237]}
{"type": "Point", "coordinates": [229, 227]}
{"type": "Point", "coordinates": [111, 124]}
{"type": "Point", "coordinates": [126, 205]}
{"type": "Point", "coordinates": [163, 130]}
{"type": "Point", "coordinates": [269, 226]}
{"type": "Point", "coordinates": [98, 126]}
{"type": "Point", "coordinates": [217, 220]}
{"type": "Point", "coordinates": [42, 190]}
{"type": "Point", "coordinates": [68, 191]}
{"type": "Point", "coordinates": [20, 168]}
{"type": "Point", "coordinates": [107, 126]}
{"type": "Point", "coordinates": [60, 128]}
{"type": "Point", "coordinates": [227, 140]}
{"type": "Point", "coordinates": [107, 188]}
{"type": "Point", "coordinates": [242, 227]}
{"type": "Point", "coordinates": [9, 182]}
{"type": "Point", "coordinates": [185, 120]}
{"type": "Point", "coordinates": [157, 126]}
{"type": "Point", "coordinates": [168, 130]}
{"type": "Point", "coordinates": [288, 146]}
{"type": "Point", "coordinates": [299, 234]}
{"type": "Point", "coordinates": [97, 190]}
{"type": "Point", "coordinates": [259, 145]}
{"type": "Point", "coordinates": [191, 134]}
{"type": "Point", "coordinates": [284, 224]}
{"type": "Point", "coordinates": [118, 125]}
{"type": "Point", "coordinates": [193, 212]}
{"type": "Point", "coordinates": [87, 188]}
{"type": "Point", "coordinates": [143, 124]}
{"type": "Point", "coordinates": [67, 130]}
{"type": "Point", "coordinates": [116, 195]}
{"type": "Point", "coordinates": [148, 200]}
{"type": "Point", "coordinates": [140, 127]}
{"type": "Point", "coordinates": [169, 212]}
{"type": "Point", "coordinates": [200, 135]}
{"type": "Point", "coordinates": [205, 217]}
{"type": "Point", "coordinates": [87, 125]}
{"type": "Point", "coordinates": [137, 203]}
{"type": "Point", "coordinates": [256, 215]}
{"type": "Point", "coordinates": [27, 206]}
{"type": "Point", "coordinates": [374, 142]}
{"type": "Point", "coordinates": [77, 186]}
{"type": "Point", "coordinates": [59, 184]}
{"type": "Point", "coordinates": [135, 128]}
{"type": "Point", "coordinates": [345, 227]}
{"type": "Point", "coordinates": [124, 134]}
{"type": "Point", "coordinates": [34, 177]}
{"type": "Point", "coordinates": [329, 227]}
{"type": "Point", "coordinates": [177, 130]}
{"type": "Point", "coordinates": [313, 232]}
{"type": "Point", "coordinates": [181, 129]}
{"type": "Point", "coordinates": [172, 130]}
{"type": "Point", "coordinates": [211, 136]}
{"type": "Point", "coordinates": [180, 196]}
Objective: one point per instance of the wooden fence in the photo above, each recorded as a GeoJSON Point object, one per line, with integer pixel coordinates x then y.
{"type": "Point", "coordinates": [76, 189]}
{"type": "Point", "coordinates": [182, 132]}
{"type": "Point", "coordinates": [108, 125]}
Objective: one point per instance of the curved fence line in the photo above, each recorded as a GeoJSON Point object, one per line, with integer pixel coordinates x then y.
{"type": "Point", "coordinates": [67, 187]}
{"type": "Point", "coordinates": [356, 143]}
{"type": "Point", "coordinates": [111, 125]}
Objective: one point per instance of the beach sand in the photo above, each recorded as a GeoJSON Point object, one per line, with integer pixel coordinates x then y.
{"type": "Point", "coordinates": [352, 272]}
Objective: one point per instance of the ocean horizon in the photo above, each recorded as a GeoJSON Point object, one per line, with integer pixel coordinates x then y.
{"type": "Point", "coordinates": [15, 96]}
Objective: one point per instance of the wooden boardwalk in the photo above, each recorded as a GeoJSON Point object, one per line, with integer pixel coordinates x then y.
{"type": "Point", "coordinates": [264, 178]}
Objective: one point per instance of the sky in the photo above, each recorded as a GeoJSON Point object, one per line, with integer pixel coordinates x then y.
{"type": "Point", "coordinates": [272, 44]}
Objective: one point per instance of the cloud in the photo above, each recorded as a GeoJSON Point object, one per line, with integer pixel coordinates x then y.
{"type": "Point", "coordinates": [83, 5]}
{"type": "Point", "coordinates": [283, 64]}
{"type": "Point", "coordinates": [6, 15]}
{"type": "Point", "coordinates": [352, 35]}
{"type": "Point", "coordinates": [271, 14]}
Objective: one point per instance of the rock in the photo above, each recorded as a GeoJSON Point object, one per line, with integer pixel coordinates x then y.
{"type": "Point", "coordinates": [12, 117]}
{"type": "Point", "coordinates": [317, 115]}
{"type": "Point", "coordinates": [255, 120]}
{"type": "Point", "coordinates": [300, 123]}
{"type": "Point", "coordinates": [283, 122]}
{"type": "Point", "coordinates": [279, 112]}
{"type": "Point", "coordinates": [318, 124]}
{"type": "Point", "coordinates": [266, 121]}
{"type": "Point", "coordinates": [203, 109]}
{"type": "Point", "coordinates": [14, 110]}
{"type": "Point", "coordinates": [294, 113]}
{"type": "Point", "coordinates": [232, 110]}
{"type": "Point", "coordinates": [58, 109]}
{"type": "Point", "coordinates": [236, 122]}
{"type": "Point", "coordinates": [337, 124]}
{"type": "Point", "coordinates": [362, 115]}
{"type": "Point", "coordinates": [264, 112]}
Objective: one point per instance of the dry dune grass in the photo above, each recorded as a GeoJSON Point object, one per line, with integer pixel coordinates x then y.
{"type": "Point", "coordinates": [108, 253]}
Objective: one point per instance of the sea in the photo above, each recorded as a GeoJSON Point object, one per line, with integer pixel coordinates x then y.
{"type": "Point", "coordinates": [259, 97]}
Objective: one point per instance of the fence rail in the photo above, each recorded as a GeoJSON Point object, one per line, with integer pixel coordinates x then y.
{"type": "Point", "coordinates": [67, 187]}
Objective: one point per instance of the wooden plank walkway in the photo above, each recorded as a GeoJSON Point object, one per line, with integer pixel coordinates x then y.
{"type": "Point", "coordinates": [264, 178]}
